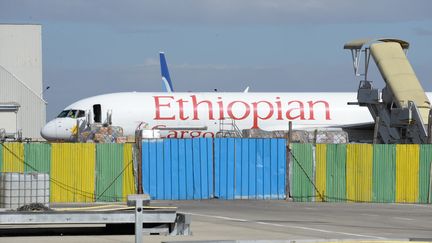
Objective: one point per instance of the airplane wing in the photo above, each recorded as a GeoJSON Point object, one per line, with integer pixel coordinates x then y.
{"type": "Point", "coordinates": [166, 80]}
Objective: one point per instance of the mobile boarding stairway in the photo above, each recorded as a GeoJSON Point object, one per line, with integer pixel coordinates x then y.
{"type": "Point", "coordinates": [401, 110]}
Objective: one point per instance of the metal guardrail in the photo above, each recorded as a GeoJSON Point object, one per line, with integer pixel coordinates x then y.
{"type": "Point", "coordinates": [175, 223]}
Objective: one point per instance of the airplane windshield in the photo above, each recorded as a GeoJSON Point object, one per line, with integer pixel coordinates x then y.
{"type": "Point", "coordinates": [81, 113]}
{"type": "Point", "coordinates": [71, 114]}
{"type": "Point", "coordinates": [63, 114]}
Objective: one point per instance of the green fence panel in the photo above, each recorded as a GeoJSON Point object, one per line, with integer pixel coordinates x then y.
{"type": "Point", "coordinates": [336, 173]}
{"type": "Point", "coordinates": [109, 172]}
{"type": "Point", "coordinates": [384, 173]}
{"type": "Point", "coordinates": [424, 173]}
{"type": "Point", "coordinates": [37, 157]}
{"type": "Point", "coordinates": [302, 172]}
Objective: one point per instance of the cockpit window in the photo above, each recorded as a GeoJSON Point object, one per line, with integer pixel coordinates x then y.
{"type": "Point", "coordinates": [81, 113]}
{"type": "Point", "coordinates": [63, 114]}
{"type": "Point", "coordinates": [71, 114]}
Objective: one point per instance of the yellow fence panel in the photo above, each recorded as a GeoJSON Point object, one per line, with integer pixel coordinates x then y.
{"type": "Point", "coordinates": [13, 157]}
{"type": "Point", "coordinates": [359, 172]}
{"type": "Point", "coordinates": [407, 171]}
{"type": "Point", "coordinates": [321, 169]}
{"type": "Point", "coordinates": [73, 172]}
{"type": "Point", "coordinates": [128, 176]}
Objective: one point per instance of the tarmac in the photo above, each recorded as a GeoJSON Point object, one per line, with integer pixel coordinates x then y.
{"type": "Point", "coordinates": [245, 221]}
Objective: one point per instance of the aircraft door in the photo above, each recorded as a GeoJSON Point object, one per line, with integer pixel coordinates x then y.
{"type": "Point", "coordinates": [97, 113]}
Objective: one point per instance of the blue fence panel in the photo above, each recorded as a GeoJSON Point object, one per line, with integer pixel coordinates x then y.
{"type": "Point", "coordinates": [267, 173]}
{"type": "Point", "coordinates": [175, 169]}
{"type": "Point", "coordinates": [206, 162]}
{"type": "Point", "coordinates": [149, 160]}
{"type": "Point", "coordinates": [281, 167]}
{"type": "Point", "coordinates": [250, 168]}
{"type": "Point", "coordinates": [224, 168]}
{"type": "Point", "coordinates": [238, 155]}
{"type": "Point", "coordinates": [175, 177]}
{"type": "Point", "coordinates": [217, 168]}
{"type": "Point", "coordinates": [167, 170]}
{"type": "Point", "coordinates": [274, 168]}
{"type": "Point", "coordinates": [252, 192]}
{"type": "Point", "coordinates": [183, 178]}
{"type": "Point", "coordinates": [159, 170]}
{"type": "Point", "coordinates": [260, 169]}
{"type": "Point", "coordinates": [189, 169]}
{"type": "Point", "coordinates": [196, 169]}
{"type": "Point", "coordinates": [179, 169]}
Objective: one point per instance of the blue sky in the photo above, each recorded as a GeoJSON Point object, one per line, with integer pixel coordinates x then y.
{"type": "Point", "coordinates": [95, 47]}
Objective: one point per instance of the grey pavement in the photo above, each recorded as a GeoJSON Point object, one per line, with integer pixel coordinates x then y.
{"type": "Point", "coordinates": [276, 220]}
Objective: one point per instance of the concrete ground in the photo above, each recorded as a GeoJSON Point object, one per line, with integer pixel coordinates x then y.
{"type": "Point", "coordinates": [268, 220]}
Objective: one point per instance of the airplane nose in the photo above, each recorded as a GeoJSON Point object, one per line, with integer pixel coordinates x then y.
{"type": "Point", "coordinates": [59, 130]}
{"type": "Point", "coordinates": [49, 131]}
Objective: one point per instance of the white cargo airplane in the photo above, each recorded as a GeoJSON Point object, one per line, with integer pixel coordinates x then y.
{"type": "Point", "coordinates": [183, 115]}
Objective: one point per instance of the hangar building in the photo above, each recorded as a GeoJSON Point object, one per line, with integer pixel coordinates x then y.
{"type": "Point", "coordinates": [22, 107]}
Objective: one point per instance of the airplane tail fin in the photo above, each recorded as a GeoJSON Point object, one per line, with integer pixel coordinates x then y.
{"type": "Point", "coordinates": [165, 73]}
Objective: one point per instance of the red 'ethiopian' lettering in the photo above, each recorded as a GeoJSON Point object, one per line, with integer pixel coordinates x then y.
{"type": "Point", "coordinates": [230, 110]}
{"type": "Point", "coordinates": [256, 116]}
{"type": "Point", "coordinates": [311, 109]}
{"type": "Point", "coordinates": [300, 109]}
{"type": "Point", "coordinates": [195, 105]}
{"type": "Point", "coordinates": [256, 111]}
{"type": "Point", "coordinates": [181, 103]}
{"type": "Point", "coordinates": [159, 105]}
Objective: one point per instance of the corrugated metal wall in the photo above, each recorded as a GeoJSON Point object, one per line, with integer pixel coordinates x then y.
{"type": "Point", "coordinates": [384, 173]}
{"type": "Point", "coordinates": [82, 172]}
{"type": "Point", "coordinates": [424, 173]}
{"type": "Point", "coordinates": [321, 170]}
{"type": "Point", "coordinates": [250, 168]}
{"type": "Point", "coordinates": [37, 157]}
{"type": "Point", "coordinates": [178, 168]}
{"type": "Point", "coordinates": [73, 172]}
{"type": "Point", "coordinates": [407, 170]}
{"type": "Point", "coordinates": [302, 162]}
{"type": "Point", "coordinates": [21, 75]}
{"type": "Point", "coordinates": [359, 172]}
{"type": "Point", "coordinates": [336, 172]}
{"type": "Point", "coordinates": [31, 114]}
{"type": "Point", "coordinates": [128, 174]}
{"type": "Point", "coordinates": [109, 176]}
{"type": "Point", "coordinates": [242, 168]}
{"type": "Point", "coordinates": [224, 157]}
{"type": "Point", "coordinates": [13, 157]}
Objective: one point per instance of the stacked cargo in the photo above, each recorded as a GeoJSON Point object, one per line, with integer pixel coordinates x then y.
{"type": "Point", "coordinates": [301, 136]}
{"type": "Point", "coordinates": [103, 134]}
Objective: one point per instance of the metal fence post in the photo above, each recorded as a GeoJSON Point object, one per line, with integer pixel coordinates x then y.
{"type": "Point", "coordinates": [137, 200]}
{"type": "Point", "coordinates": [138, 143]}
{"type": "Point", "coordinates": [288, 160]}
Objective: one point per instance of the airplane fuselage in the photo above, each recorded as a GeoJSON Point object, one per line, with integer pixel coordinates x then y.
{"type": "Point", "coordinates": [200, 114]}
